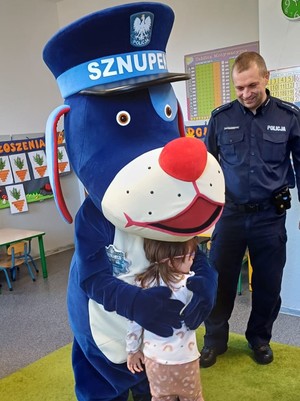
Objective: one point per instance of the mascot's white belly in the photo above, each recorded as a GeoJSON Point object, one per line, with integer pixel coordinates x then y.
{"type": "Point", "coordinates": [108, 328]}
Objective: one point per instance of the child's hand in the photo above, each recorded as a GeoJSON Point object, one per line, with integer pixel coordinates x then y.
{"type": "Point", "coordinates": [135, 362]}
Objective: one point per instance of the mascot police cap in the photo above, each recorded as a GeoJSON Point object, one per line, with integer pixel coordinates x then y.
{"type": "Point", "coordinates": [113, 50]}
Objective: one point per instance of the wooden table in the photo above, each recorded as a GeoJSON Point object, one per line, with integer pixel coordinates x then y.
{"type": "Point", "coordinates": [10, 235]}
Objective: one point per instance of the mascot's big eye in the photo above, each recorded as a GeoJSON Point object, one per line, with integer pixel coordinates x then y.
{"type": "Point", "coordinates": [123, 118]}
{"type": "Point", "coordinates": [168, 111]}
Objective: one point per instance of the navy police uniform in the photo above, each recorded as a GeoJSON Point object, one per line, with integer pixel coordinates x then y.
{"type": "Point", "coordinates": [254, 152]}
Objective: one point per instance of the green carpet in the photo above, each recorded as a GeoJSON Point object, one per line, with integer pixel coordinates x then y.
{"type": "Point", "coordinates": [236, 377]}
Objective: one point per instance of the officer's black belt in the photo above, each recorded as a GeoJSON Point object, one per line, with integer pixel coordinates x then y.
{"type": "Point", "coordinates": [249, 207]}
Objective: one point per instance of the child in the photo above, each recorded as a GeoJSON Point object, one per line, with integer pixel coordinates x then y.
{"type": "Point", "coordinates": [171, 363]}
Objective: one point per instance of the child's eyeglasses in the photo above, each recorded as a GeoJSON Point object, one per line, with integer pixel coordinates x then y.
{"type": "Point", "coordinates": [190, 255]}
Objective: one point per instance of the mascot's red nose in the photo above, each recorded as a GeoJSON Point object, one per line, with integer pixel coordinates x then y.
{"type": "Point", "coordinates": [184, 159]}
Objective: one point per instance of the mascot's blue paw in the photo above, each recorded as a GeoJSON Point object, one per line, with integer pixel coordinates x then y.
{"type": "Point", "coordinates": [204, 288]}
{"type": "Point", "coordinates": [153, 303]}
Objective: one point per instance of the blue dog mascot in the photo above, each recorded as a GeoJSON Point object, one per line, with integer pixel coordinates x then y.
{"type": "Point", "coordinates": [126, 143]}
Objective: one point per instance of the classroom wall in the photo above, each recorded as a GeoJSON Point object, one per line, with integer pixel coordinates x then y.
{"type": "Point", "coordinates": [27, 97]}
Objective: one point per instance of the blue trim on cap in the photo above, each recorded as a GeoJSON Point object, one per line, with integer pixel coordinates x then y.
{"type": "Point", "coordinates": [114, 68]}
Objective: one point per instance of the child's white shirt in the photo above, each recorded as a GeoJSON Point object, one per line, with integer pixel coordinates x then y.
{"type": "Point", "coordinates": [180, 348]}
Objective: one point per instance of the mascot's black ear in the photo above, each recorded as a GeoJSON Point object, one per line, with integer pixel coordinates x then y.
{"type": "Point", "coordinates": [52, 160]}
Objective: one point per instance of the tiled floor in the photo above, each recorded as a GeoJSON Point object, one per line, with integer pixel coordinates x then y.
{"type": "Point", "coordinates": [34, 321]}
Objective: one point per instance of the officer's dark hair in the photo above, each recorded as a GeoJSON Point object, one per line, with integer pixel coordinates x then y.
{"type": "Point", "coordinates": [244, 61]}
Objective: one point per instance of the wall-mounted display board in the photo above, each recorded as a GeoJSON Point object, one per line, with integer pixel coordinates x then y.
{"type": "Point", "coordinates": [210, 84]}
{"type": "Point", "coordinates": [284, 83]}
{"type": "Point", "coordinates": [23, 172]}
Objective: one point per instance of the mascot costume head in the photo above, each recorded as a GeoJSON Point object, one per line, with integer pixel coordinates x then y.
{"type": "Point", "coordinates": [126, 143]}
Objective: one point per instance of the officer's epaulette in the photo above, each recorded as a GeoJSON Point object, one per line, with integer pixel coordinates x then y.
{"type": "Point", "coordinates": [287, 106]}
{"type": "Point", "coordinates": [221, 108]}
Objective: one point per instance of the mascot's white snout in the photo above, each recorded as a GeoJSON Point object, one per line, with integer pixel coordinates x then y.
{"type": "Point", "coordinates": [170, 193]}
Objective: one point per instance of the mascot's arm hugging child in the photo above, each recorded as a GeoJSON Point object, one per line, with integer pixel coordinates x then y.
{"type": "Point", "coordinates": [151, 308]}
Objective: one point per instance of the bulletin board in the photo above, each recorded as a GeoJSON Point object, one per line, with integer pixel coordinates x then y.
{"type": "Point", "coordinates": [210, 85]}
{"type": "Point", "coordinates": [23, 172]}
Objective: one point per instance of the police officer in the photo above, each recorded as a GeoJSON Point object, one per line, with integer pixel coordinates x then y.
{"type": "Point", "coordinates": [253, 138]}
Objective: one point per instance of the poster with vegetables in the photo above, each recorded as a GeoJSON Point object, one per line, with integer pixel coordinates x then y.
{"type": "Point", "coordinates": [17, 198]}
{"type": "Point", "coordinates": [63, 160]}
{"type": "Point", "coordinates": [38, 163]}
{"type": "Point", "coordinates": [19, 167]}
{"type": "Point", "coordinates": [6, 177]}
{"type": "Point", "coordinates": [23, 162]}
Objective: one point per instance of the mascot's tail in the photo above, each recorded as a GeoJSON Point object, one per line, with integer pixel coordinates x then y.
{"type": "Point", "coordinates": [52, 160]}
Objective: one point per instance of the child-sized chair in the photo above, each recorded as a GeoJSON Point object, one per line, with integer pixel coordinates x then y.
{"type": "Point", "coordinates": [28, 253]}
{"type": "Point", "coordinates": [16, 255]}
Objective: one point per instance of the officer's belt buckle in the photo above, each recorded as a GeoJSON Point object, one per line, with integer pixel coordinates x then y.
{"type": "Point", "coordinates": [249, 207]}
{"type": "Point", "coordinates": [252, 207]}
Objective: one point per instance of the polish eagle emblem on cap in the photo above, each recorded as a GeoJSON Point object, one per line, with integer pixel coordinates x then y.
{"type": "Point", "coordinates": [141, 29]}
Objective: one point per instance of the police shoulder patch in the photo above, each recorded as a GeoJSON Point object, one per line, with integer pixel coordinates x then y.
{"type": "Point", "coordinates": [288, 106]}
{"type": "Point", "coordinates": [221, 108]}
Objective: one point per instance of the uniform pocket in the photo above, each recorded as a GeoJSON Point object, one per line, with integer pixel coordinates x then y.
{"type": "Point", "coordinates": [274, 146]}
{"type": "Point", "coordinates": [229, 142]}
